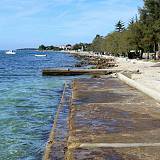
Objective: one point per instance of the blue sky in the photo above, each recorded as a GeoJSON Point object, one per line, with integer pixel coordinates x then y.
{"type": "Point", "coordinates": [28, 23]}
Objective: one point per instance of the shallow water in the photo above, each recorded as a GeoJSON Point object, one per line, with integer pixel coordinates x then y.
{"type": "Point", "coordinates": [28, 102]}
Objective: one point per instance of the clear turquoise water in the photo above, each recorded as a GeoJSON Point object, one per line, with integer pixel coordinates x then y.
{"type": "Point", "coordinates": [28, 102]}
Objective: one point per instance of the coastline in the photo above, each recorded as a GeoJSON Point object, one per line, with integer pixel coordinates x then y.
{"type": "Point", "coordinates": [146, 73]}
{"type": "Point", "coordinates": [92, 102]}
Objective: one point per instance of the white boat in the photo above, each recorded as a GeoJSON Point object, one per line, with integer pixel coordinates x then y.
{"type": "Point", "coordinates": [40, 55]}
{"type": "Point", "coordinates": [10, 52]}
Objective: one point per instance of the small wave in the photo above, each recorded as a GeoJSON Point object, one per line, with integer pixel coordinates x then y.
{"type": "Point", "coordinates": [15, 75]}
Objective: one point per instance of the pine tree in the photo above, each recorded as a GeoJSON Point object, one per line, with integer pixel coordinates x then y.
{"type": "Point", "coordinates": [150, 17]}
{"type": "Point", "coordinates": [131, 22]}
{"type": "Point", "coordinates": [120, 26]}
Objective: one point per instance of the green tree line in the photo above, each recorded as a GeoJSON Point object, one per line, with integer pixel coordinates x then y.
{"type": "Point", "coordinates": [82, 46]}
{"type": "Point", "coordinates": [43, 47]}
{"type": "Point", "coordinates": [141, 34]}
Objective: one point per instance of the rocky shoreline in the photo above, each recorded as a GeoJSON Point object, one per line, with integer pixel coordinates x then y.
{"type": "Point", "coordinates": [141, 71]}
{"type": "Point", "coordinates": [94, 60]}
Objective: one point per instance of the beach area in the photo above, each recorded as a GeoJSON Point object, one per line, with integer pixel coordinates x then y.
{"type": "Point", "coordinates": [148, 72]}
{"type": "Point", "coordinates": [142, 71]}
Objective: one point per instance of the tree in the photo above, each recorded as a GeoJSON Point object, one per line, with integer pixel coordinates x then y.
{"type": "Point", "coordinates": [98, 44]}
{"type": "Point", "coordinates": [87, 47]}
{"type": "Point", "coordinates": [150, 17]}
{"type": "Point", "coordinates": [78, 46]}
{"type": "Point", "coordinates": [135, 39]}
{"type": "Point", "coordinates": [120, 26]}
{"type": "Point", "coordinates": [116, 43]}
{"type": "Point", "coordinates": [54, 48]}
{"type": "Point", "coordinates": [142, 34]}
{"type": "Point", "coordinates": [50, 47]}
{"type": "Point", "coordinates": [42, 47]}
{"type": "Point", "coordinates": [131, 22]}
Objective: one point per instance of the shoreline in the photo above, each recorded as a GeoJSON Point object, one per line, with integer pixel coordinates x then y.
{"type": "Point", "coordinates": [135, 70]}
{"type": "Point", "coordinates": [101, 118]}
{"type": "Point", "coordinates": [146, 73]}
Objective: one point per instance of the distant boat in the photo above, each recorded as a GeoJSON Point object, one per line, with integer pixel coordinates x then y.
{"type": "Point", "coordinates": [40, 55]}
{"type": "Point", "coordinates": [10, 52]}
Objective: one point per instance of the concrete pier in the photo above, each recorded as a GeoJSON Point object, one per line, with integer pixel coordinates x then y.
{"type": "Point", "coordinates": [74, 72]}
{"type": "Point", "coordinates": [109, 120]}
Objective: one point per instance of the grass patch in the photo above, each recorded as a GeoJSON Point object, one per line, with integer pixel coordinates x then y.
{"type": "Point", "coordinates": [95, 76]}
{"type": "Point", "coordinates": [93, 67]}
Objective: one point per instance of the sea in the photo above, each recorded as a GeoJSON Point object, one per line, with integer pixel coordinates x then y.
{"type": "Point", "coordinates": [28, 101]}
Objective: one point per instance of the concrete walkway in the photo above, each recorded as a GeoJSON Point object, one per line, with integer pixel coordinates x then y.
{"type": "Point", "coordinates": [111, 121]}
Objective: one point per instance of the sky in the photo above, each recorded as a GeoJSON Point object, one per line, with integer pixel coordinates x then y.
{"type": "Point", "coordinates": [29, 23]}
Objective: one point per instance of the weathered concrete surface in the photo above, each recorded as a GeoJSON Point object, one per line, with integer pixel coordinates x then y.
{"type": "Point", "coordinates": [73, 72]}
{"type": "Point", "coordinates": [150, 92]}
{"type": "Point", "coordinates": [109, 112]}
{"type": "Point", "coordinates": [57, 144]}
